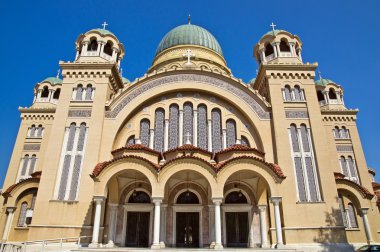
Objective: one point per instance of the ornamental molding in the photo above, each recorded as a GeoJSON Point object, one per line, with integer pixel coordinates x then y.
{"type": "Point", "coordinates": [197, 80]}
{"type": "Point", "coordinates": [344, 148]}
{"type": "Point", "coordinates": [297, 114]}
{"type": "Point", "coordinates": [32, 147]}
{"type": "Point", "coordinates": [79, 113]}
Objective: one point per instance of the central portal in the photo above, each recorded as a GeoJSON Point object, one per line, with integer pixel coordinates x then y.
{"type": "Point", "coordinates": [187, 229]}
{"type": "Point", "coordinates": [137, 229]}
{"type": "Point", "coordinates": [237, 229]}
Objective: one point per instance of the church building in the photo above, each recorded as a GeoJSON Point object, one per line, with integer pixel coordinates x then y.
{"type": "Point", "coordinates": [188, 155]}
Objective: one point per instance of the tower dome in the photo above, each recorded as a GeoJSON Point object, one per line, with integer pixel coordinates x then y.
{"type": "Point", "coordinates": [189, 34]}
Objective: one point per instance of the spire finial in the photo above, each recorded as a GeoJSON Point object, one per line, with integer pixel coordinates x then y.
{"type": "Point", "coordinates": [273, 26]}
{"type": "Point", "coordinates": [320, 75]}
{"type": "Point", "coordinates": [104, 25]}
{"type": "Point", "coordinates": [189, 19]}
{"type": "Point", "coordinates": [58, 73]}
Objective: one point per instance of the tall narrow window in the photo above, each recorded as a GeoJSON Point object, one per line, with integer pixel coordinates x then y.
{"type": "Point", "coordinates": [79, 93]}
{"type": "Point", "coordinates": [342, 210]}
{"type": "Point", "coordinates": [174, 124]}
{"type": "Point", "coordinates": [25, 165]}
{"type": "Point", "coordinates": [202, 127]}
{"type": "Point", "coordinates": [344, 133]}
{"type": "Point", "coordinates": [32, 131]}
{"type": "Point", "coordinates": [336, 132]}
{"type": "Point", "coordinates": [343, 164]}
{"type": "Point", "coordinates": [231, 132]}
{"type": "Point", "coordinates": [188, 121]}
{"type": "Point", "coordinates": [304, 164]}
{"type": "Point", "coordinates": [144, 132]}
{"type": "Point", "coordinates": [216, 120]}
{"type": "Point", "coordinates": [351, 216]}
{"type": "Point", "coordinates": [89, 90]}
{"type": "Point", "coordinates": [159, 130]}
{"type": "Point", "coordinates": [287, 93]}
{"type": "Point", "coordinates": [39, 130]}
{"type": "Point", "coordinates": [297, 93]}
{"type": "Point", "coordinates": [352, 169]}
{"type": "Point", "coordinates": [56, 94]}
{"type": "Point", "coordinates": [32, 164]}
{"type": "Point", "coordinates": [22, 217]}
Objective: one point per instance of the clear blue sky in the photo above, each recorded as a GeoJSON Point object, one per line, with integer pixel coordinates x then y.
{"type": "Point", "coordinates": [342, 36]}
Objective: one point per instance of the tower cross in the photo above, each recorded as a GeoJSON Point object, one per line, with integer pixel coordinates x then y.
{"type": "Point", "coordinates": [58, 72]}
{"type": "Point", "coordinates": [320, 75]}
{"type": "Point", "coordinates": [188, 138]}
{"type": "Point", "coordinates": [188, 54]}
{"type": "Point", "coordinates": [273, 26]}
{"type": "Point", "coordinates": [104, 25]}
{"type": "Point", "coordinates": [189, 19]}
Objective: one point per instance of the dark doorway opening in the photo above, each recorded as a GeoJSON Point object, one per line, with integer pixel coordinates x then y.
{"type": "Point", "coordinates": [137, 229]}
{"type": "Point", "coordinates": [237, 229]}
{"type": "Point", "coordinates": [187, 229]}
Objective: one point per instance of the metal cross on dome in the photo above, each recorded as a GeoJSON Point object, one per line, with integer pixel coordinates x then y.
{"type": "Point", "coordinates": [188, 138]}
{"type": "Point", "coordinates": [104, 25]}
{"type": "Point", "coordinates": [188, 54]}
{"type": "Point", "coordinates": [273, 26]}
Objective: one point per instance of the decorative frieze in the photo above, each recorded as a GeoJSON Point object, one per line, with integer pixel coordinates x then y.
{"type": "Point", "coordinates": [296, 114]}
{"type": "Point", "coordinates": [80, 113]}
{"type": "Point", "coordinates": [344, 148]}
{"type": "Point", "coordinates": [32, 147]}
{"type": "Point", "coordinates": [198, 80]}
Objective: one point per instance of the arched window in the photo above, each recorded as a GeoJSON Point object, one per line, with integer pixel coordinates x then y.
{"type": "Point", "coordinates": [45, 92]}
{"type": "Point", "coordinates": [332, 94]}
{"type": "Point", "coordinates": [245, 141]}
{"type": "Point", "coordinates": [188, 120]}
{"type": "Point", "coordinates": [25, 165]}
{"type": "Point", "coordinates": [131, 140]}
{"type": "Point", "coordinates": [297, 93]}
{"type": "Point", "coordinates": [145, 132]}
{"type": "Point", "coordinates": [187, 197]}
{"type": "Point", "coordinates": [336, 132]}
{"type": "Point", "coordinates": [108, 48]}
{"type": "Point", "coordinates": [93, 46]}
{"type": "Point", "coordinates": [342, 210]}
{"type": "Point", "coordinates": [159, 129]}
{"type": "Point", "coordinates": [320, 96]}
{"type": "Point", "coordinates": [231, 132]}
{"type": "Point", "coordinates": [39, 130]}
{"type": "Point", "coordinates": [89, 92]}
{"type": "Point", "coordinates": [284, 47]}
{"type": "Point", "coordinates": [22, 217]}
{"type": "Point", "coordinates": [343, 164]}
{"type": "Point", "coordinates": [174, 126]}
{"type": "Point", "coordinates": [352, 168]}
{"type": "Point", "coordinates": [79, 93]}
{"type": "Point", "coordinates": [32, 131]}
{"type": "Point", "coordinates": [287, 93]}
{"type": "Point", "coordinates": [344, 132]}
{"type": "Point", "coordinates": [268, 50]}
{"type": "Point", "coordinates": [56, 94]}
{"type": "Point", "coordinates": [298, 163]}
{"type": "Point", "coordinates": [139, 197]}
{"type": "Point", "coordinates": [202, 127]}
{"type": "Point", "coordinates": [32, 164]}
{"type": "Point", "coordinates": [352, 216]}
{"type": "Point", "coordinates": [236, 197]}
{"type": "Point", "coordinates": [70, 142]}
{"type": "Point", "coordinates": [216, 120]}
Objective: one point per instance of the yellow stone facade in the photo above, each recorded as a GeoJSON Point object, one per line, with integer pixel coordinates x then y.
{"type": "Point", "coordinates": [190, 156]}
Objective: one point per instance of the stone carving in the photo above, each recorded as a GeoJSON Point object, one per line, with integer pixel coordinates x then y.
{"type": "Point", "coordinates": [344, 148]}
{"type": "Point", "coordinates": [197, 79]}
{"type": "Point", "coordinates": [80, 113]}
{"type": "Point", "coordinates": [296, 114]}
{"type": "Point", "coordinates": [32, 147]}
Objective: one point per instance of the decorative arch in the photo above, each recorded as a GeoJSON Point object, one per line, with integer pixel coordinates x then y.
{"type": "Point", "coordinates": [360, 195]}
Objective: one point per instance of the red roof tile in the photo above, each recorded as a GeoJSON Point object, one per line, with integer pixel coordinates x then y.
{"type": "Point", "coordinates": [188, 147]}
{"type": "Point", "coordinates": [139, 147]}
{"type": "Point", "coordinates": [364, 191]}
{"type": "Point", "coordinates": [241, 148]}
{"type": "Point", "coordinates": [35, 177]}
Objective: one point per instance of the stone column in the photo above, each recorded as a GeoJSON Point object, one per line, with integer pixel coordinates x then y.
{"type": "Point", "coordinates": [10, 211]}
{"type": "Point", "coordinates": [156, 225]}
{"type": "Point", "coordinates": [224, 133]}
{"type": "Point", "coordinates": [151, 139]}
{"type": "Point", "coordinates": [278, 50]}
{"type": "Point", "coordinates": [84, 47]}
{"type": "Point", "coordinates": [98, 48]}
{"type": "Point", "coordinates": [277, 220]}
{"type": "Point", "coordinates": [163, 226]}
{"type": "Point", "coordinates": [195, 128]}
{"type": "Point", "coordinates": [275, 50]}
{"type": "Point", "coordinates": [262, 53]}
{"type": "Point", "coordinates": [367, 228]}
{"type": "Point", "coordinates": [112, 225]}
{"type": "Point", "coordinates": [218, 225]}
{"type": "Point", "coordinates": [95, 231]}
{"type": "Point", "coordinates": [166, 136]}
{"type": "Point", "coordinates": [77, 54]}
{"type": "Point", "coordinates": [263, 226]}
{"type": "Point", "coordinates": [114, 54]}
{"type": "Point", "coordinates": [209, 128]}
{"type": "Point", "coordinates": [180, 140]}
{"type": "Point", "coordinates": [299, 54]}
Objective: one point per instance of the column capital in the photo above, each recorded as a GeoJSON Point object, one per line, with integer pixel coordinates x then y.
{"type": "Point", "coordinates": [364, 210]}
{"type": "Point", "coordinates": [11, 209]}
{"type": "Point", "coordinates": [99, 199]}
{"type": "Point", "coordinates": [262, 208]}
{"type": "Point", "coordinates": [157, 200]}
{"type": "Point", "coordinates": [276, 200]}
{"type": "Point", "coordinates": [151, 130]}
{"type": "Point", "coordinates": [217, 201]}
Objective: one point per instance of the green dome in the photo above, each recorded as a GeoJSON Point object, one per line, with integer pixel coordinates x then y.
{"type": "Point", "coordinates": [274, 33]}
{"type": "Point", "coordinates": [252, 81]}
{"type": "Point", "coordinates": [189, 34]}
{"type": "Point", "coordinates": [323, 82]}
{"type": "Point", "coordinates": [103, 31]}
{"type": "Point", "coordinates": [53, 80]}
{"type": "Point", "coordinates": [125, 80]}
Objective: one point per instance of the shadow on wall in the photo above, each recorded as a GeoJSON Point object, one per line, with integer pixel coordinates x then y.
{"type": "Point", "coordinates": [333, 239]}
{"type": "Point", "coordinates": [86, 229]}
